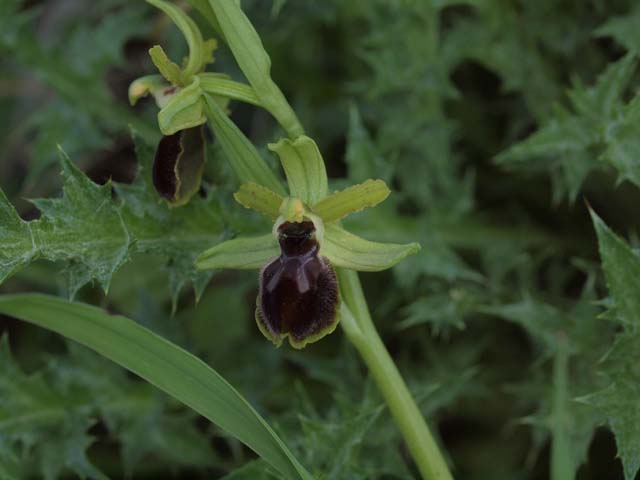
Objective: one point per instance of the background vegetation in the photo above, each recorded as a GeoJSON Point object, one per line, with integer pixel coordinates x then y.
{"type": "Point", "coordinates": [495, 123]}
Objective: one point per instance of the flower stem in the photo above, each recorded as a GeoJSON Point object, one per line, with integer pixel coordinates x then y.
{"type": "Point", "coordinates": [358, 325]}
{"type": "Point", "coordinates": [561, 458]}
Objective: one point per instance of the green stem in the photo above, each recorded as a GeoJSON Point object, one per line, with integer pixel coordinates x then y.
{"type": "Point", "coordinates": [561, 464]}
{"type": "Point", "coordinates": [358, 325]}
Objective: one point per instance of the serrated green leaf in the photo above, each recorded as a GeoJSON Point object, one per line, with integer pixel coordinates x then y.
{"type": "Point", "coordinates": [622, 270]}
{"type": "Point", "coordinates": [624, 29]}
{"type": "Point", "coordinates": [347, 250]}
{"type": "Point", "coordinates": [68, 231]}
{"type": "Point", "coordinates": [18, 247]}
{"type": "Point", "coordinates": [623, 144]}
{"type": "Point", "coordinates": [596, 133]}
{"type": "Point", "coordinates": [350, 200]}
{"type": "Point", "coordinates": [10, 467]}
{"type": "Point", "coordinates": [184, 110]}
{"type": "Point", "coordinates": [542, 321]}
{"type": "Point", "coordinates": [362, 157]}
{"type": "Point", "coordinates": [604, 98]}
{"type": "Point", "coordinates": [161, 363]}
{"type": "Point", "coordinates": [304, 167]}
{"type": "Point", "coordinates": [619, 401]}
{"type": "Point", "coordinates": [92, 233]}
{"type": "Point", "coordinates": [242, 253]}
{"type": "Point", "coordinates": [81, 113]}
{"type": "Point", "coordinates": [259, 198]}
{"type": "Point", "coordinates": [178, 235]}
{"type": "Point", "coordinates": [247, 48]}
{"type": "Point", "coordinates": [32, 407]}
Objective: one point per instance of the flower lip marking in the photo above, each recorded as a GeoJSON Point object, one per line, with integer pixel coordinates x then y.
{"type": "Point", "coordinates": [298, 290]}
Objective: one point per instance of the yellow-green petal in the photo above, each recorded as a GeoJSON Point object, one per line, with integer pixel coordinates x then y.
{"type": "Point", "coordinates": [165, 66]}
{"type": "Point", "coordinates": [259, 198]}
{"type": "Point", "coordinates": [351, 200]}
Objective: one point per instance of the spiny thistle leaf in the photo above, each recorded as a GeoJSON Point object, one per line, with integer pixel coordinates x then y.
{"type": "Point", "coordinates": [619, 401]}
{"type": "Point", "coordinates": [83, 228]}
{"type": "Point", "coordinates": [93, 234]}
{"type": "Point", "coordinates": [59, 403]}
{"type": "Point", "coordinates": [622, 271]}
{"type": "Point", "coordinates": [599, 131]}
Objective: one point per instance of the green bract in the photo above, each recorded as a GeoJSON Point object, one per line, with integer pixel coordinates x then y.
{"type": "Point", "coordinates": [309, 200]}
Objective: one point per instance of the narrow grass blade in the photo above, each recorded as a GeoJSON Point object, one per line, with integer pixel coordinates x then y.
{"type": "Point", "coordinates": [162, 364]}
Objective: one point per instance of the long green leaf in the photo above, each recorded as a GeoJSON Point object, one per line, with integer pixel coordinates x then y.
{"type": "Point", "coordinates": [243, 157]}
{"type": "Point", "coordinates": [161, 363]}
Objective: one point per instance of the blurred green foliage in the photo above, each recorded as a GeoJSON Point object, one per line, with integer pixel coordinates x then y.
{"type": "Point", "coordinates": [493, 121]}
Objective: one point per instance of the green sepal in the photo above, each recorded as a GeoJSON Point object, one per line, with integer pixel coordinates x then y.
{"type": "Point", "coordinates": [244, 253]}
{"type": "Point", "coordinates": [165, 66]}
{"type": "Point", "coordinates": [344, 249]}
{"type": "Point", "coordinates": [304, 167]}
{"type": "Point", "coordinates": [184, 110]}
{"type": "Point", "coordinates": [155, 85]}
{"type": "Point", "coordinates": [221, 85]}
{"type": "Point", "coordinates": [259, 198]}
{"type": "Point", "coordinates": [199, 52]}
{"type": "Point", "coordinates": [241, 154]}
{"type": "Point", "coordinates": [351, 200]}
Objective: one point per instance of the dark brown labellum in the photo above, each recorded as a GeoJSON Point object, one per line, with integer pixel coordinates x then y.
{"type": "Point", "coordinates": [178, 165]}
{"type": "Point", "coordinates": [298, 290]}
